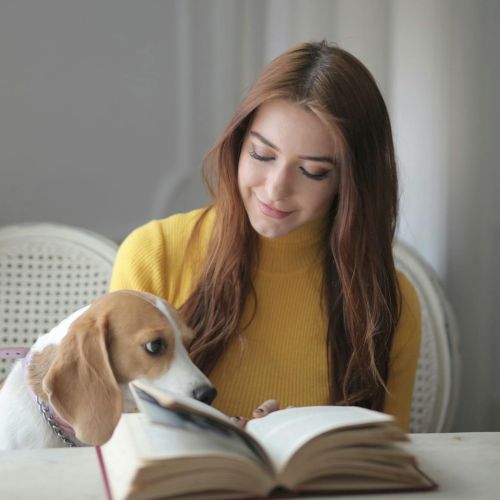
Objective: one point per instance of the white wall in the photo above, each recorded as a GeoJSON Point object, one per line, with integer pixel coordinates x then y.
{"type": "Point", "coordinates": [107, 108]}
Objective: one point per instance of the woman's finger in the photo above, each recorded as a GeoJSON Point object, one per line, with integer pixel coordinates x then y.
{"type": "Point", "coordinates": [240, 421]}
{"type": "Point", "coordinates": [265, 408]}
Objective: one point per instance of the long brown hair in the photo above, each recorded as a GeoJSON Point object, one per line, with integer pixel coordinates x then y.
{"type": "Point", "coordinates": [360, 292]}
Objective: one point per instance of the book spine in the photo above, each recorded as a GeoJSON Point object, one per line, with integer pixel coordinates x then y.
{"type": "Point", "coordinates": [102, 466]}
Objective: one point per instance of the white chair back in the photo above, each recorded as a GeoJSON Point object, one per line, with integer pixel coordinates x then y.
{"type": "Point", "coordinates": [437, 377]}
{"type": "Point", "coordinates": [47, 271]}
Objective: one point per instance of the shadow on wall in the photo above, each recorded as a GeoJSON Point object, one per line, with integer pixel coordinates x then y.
{"type": "Point", "coordinates": [179, 192]}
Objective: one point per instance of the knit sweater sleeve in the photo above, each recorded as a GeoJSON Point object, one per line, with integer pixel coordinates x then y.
{"type": "Point", "coordinates": [404, 355]}
{"type": "Point", "coordinates": [154, 258]}
{"type": "Point", "coordinates": [140, 261]}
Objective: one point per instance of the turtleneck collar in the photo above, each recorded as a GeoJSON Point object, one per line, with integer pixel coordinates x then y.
{"type": "Point", "coordinates": [294, 252]}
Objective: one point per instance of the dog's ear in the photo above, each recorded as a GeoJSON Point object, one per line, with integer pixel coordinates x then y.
{"type": "Point", "coordinates": [80, 383]}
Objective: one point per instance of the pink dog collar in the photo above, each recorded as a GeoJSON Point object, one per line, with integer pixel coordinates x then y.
{"type": "Point", "coordinates": [13, 352]}
{"type": "Point", "coordinates": [59, 426]}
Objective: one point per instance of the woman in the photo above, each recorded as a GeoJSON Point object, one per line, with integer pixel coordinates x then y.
{"type": "Point", "coordinates": [288, 277]}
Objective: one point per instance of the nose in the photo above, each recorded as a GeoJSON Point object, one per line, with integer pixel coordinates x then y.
{"type": "Point", "coordinates": [205, 393]}
{"type": "Point", "coordinates": [279, 183]}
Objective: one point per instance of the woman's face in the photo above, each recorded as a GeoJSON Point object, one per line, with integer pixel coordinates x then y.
{"type": "Point", "coordinates": [287, 174]}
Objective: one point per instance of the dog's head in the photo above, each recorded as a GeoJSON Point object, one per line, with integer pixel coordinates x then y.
{"type": "Point", "coordinates": [122, 336]}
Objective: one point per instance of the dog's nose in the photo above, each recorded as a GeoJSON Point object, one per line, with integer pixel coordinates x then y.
{"type": "Point", "coordinates": [205, 393]}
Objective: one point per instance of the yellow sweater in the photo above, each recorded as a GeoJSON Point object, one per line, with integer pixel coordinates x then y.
{"type": "Point", "coordinates": [283, 355]}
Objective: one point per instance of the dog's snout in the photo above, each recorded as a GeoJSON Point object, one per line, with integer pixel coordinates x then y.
{"type": "Point", "coordinates": [205, 393]}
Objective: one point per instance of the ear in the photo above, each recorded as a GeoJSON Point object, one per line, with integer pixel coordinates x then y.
{"type": "Point", "coordinates": [80, 383]}
{"type": "Point", "coordinates": [186, 332]}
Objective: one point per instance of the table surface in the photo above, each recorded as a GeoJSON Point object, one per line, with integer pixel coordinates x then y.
{"type": "Point", "coordinates": [465, 466]}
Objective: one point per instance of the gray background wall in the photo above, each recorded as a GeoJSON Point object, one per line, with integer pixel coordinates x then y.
{"type": "Point", "coordinates": [107, 108]}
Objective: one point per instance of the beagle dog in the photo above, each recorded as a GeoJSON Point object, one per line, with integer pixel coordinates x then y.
{"type": "Point", "coordinates": [75, 377]}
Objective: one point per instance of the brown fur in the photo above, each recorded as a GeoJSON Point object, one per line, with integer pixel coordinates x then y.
{"type": "Point", "coordinates": [103, 348]}
{"type": "Point", "coordinates": [39, 366]}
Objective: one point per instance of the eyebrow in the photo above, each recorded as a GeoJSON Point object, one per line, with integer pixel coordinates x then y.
{"type": "Point", "coordinates": [324, 159]}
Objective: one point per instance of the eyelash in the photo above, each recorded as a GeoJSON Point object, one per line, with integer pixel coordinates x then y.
{"type": "Point", "coordinates": [255, 155]}
{"type": "Point", "coordinates": [315, 177]}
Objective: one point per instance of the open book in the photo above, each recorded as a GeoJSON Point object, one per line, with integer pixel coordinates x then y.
{"type": "Point", "coordinates": [181, 448]}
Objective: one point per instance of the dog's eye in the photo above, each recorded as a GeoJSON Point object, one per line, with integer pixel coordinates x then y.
{"type": "Point", "coordinates": [155, 347]}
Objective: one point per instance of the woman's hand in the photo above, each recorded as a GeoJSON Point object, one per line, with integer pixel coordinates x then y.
{"type": "Point", "coordinates": [261, 411]}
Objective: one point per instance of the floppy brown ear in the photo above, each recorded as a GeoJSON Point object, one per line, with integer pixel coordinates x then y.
{"type": "Point", "coordinates": [80, 384]}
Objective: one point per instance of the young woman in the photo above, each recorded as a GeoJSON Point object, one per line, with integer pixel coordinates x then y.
{"type": "Point", "coordinates": [288, 278]}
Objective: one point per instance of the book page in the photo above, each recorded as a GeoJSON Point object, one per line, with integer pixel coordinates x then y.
{"type": "Point", "coordinates": [159, 441]}
{"type": "Point", "coordinates": [142, 457]}
{"type": "Point", "coordinates": [283, 432]}
{"type": "Point", "coordinates": [177, 401]}
{"type": "Point", "coordinates": [188, 415]}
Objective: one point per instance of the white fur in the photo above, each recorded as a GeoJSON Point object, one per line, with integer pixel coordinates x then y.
{"type": "Point", "coordinates": [27, 428]}
{"type": "Point", "coordinates": [179, 378]}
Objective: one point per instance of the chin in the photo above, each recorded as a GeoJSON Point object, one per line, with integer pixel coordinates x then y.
{"type": "Point", "coordinates": [272, 235]}
{"type": "Point", "coordinates": [268, 231]}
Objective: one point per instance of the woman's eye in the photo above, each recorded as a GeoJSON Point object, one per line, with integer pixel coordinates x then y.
{"type": "Point", "coordinates": [316, 177]}
{"type": "Point", "coordinates": [258, 157]}
{"type": "Point", "coordinates": [155, 347]}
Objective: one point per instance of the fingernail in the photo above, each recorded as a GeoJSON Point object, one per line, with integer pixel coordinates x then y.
{"type": "Point", "coordinates": [237, 418]}
{"type": "Point", "coordinates": [259, 410]}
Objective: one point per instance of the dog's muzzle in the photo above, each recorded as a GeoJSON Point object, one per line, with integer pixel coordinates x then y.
{"type": "Point", "coordinates": [206, 394]}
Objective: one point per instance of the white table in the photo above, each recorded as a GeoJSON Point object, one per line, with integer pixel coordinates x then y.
{"type": "Point", "coordinates": [465, 465]}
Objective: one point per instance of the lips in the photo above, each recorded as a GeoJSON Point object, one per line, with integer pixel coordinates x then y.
{"type": "Point", "coordinates": [272, 212]}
